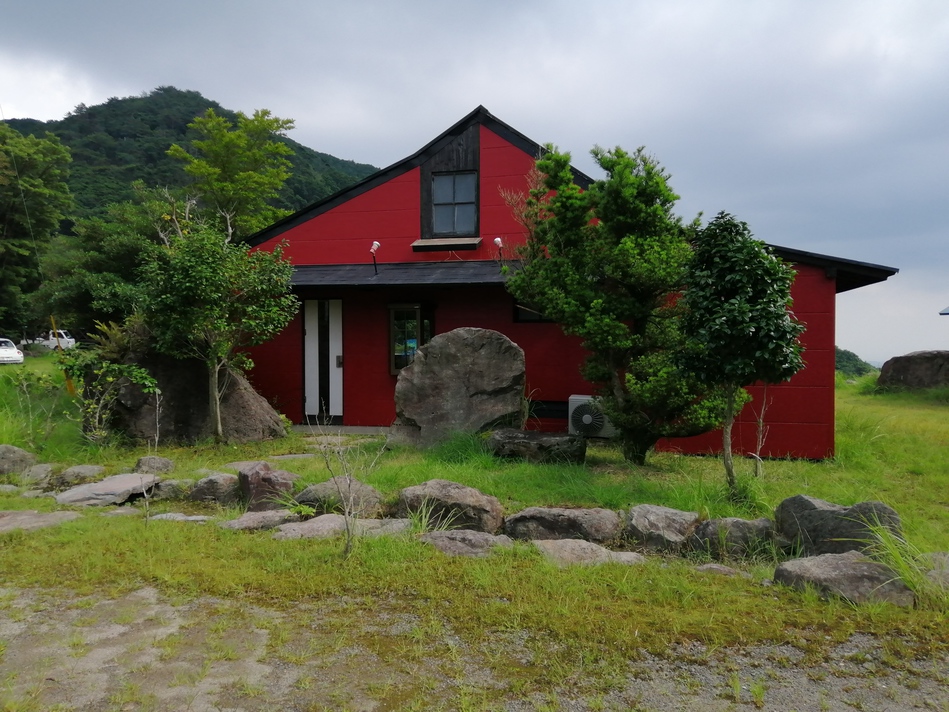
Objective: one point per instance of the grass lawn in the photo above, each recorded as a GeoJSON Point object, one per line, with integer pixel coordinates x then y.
{"type": "Point", "coordinates": [586, 621]}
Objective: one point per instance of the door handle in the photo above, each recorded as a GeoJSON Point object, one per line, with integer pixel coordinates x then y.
{"type": "Point", "coordinates": [339, 360]}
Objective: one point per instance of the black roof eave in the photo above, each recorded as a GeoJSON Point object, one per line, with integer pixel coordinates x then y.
{"type": "Point", "coordinates": [849, 274]}
{"type": "Point", "coordinates": [478, 116]}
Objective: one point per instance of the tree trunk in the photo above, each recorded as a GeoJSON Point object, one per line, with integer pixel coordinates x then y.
{"type": "Point", "coordinates": [636, 446]}
{"type": "Point", "coordinates": [214, 394]}
{"type": "Point", "coordinates": [727, 441]}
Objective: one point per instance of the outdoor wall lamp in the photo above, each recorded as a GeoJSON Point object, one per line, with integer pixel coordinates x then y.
{"type": "Point", "coordinates": [372, 251]}
{"type": "Point", "coordinates": [500, 243]}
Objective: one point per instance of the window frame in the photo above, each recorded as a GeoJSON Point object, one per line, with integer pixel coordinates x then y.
{"type": "Point", "coordinates": [424, 331]}
{"type": "Point", "coordinates": [455, 203]}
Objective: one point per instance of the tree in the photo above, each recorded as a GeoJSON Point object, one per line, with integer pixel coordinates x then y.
{"type": "Point", "coordinates": [34, 199]}
{"type": "Point", "coordinates": [737, 301]}
{"type": "Point", "coordinates": [849, 364]}
{"type": "Point", "coordinates": [239, 170]}
{"type": "Point", "coordinates": [605, 263]}
{"type": "Point", "coordinates": [207, 298]}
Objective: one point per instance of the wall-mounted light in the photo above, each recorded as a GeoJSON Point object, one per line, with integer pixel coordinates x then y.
{"type": "Point", "coordinates": [372, 251]}
{"type": "Point", "coordinates": [500, 244]}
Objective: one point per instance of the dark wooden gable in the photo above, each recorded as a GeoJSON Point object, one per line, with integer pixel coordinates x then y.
{"type": "Point", "coordinates": [461, 154]}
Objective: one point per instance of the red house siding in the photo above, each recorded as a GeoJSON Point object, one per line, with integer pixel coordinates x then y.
{"type": "Point", "coordinates": [387, 208]}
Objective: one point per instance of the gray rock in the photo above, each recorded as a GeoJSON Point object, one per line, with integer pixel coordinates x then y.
{"type": "Point", "coordinates": [365, 500]}
{"type": "Point", "coordinates": [154, 465]}
{"type": "Point", "coordinates": [14, 460]}
{"type": "Point", "coordinates": [466, 380]}
{"type": "Point", "coordinates": [465, 542]}
{"type": "Point", "coordinates": [75, 475]}
{"type": "Point", "coordinates": [452, 504]}
{"type": "Point", "coordinates": [179, 517]}
{"type": "Point", "coordinates": [660, 529]}
{"type": "Point", "coordinates": [29, 520]}
{"type": "Point", "coordinates": [112, 490]}
{"type": "Point", "coordinates": [173, 489]}
{"type": "Point", "coordinates": [850, 575]}
{"type": "Point", "coordinates": [731, 536]}
{"type": "Point", "coordinates": [594, 524]}
{"type": "Point", "coordinates": [920, 369]}
{"type": "Point", "coordinates": [37, 475]}
{"type": "Point", "coordinates": [382, 527]}
{"type": "Point", "coordinates": [820, 527]}
{"type": "Point", "coordinates": [185, 414]}
{"type": "Point", "coordinates": [937, 568]}
{"type": "Point", "coordinates": [255, 521]}
{"type": "Point", "coordinates": [538, 447]}
{"type": "Point", "coordinates": [9, 489]}
{"type": "Point", "coordinates": [263, 487]}
{"type": "Point", "coordinates": [220, 488]}
{"type": "Point", "coordinates": [721, 570]}
{"type": "Point", "coordinates": [322, 527]}
{"type": "Point", "coordinates": [565, 552]}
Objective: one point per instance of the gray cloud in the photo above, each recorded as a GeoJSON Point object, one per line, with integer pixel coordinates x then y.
{"type": "Point", "coordinates": [821, 124]}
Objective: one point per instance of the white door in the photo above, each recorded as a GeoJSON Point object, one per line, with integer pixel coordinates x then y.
{"type": "Point", "coordinates": [323, 359]}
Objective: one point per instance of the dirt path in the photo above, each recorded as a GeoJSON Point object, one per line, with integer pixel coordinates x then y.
{"type": "Point", "coordinates": [141, 651]}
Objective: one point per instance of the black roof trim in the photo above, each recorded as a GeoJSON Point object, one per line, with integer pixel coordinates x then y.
{"type": "Point", "coordinates": [478, 116]}
{"type": "Point", "coordinates": [850, 274]}
{"type": "Point", "coordinates": [454, 272]}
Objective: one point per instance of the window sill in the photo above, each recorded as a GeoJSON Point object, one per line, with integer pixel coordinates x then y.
{"type": "Point", "coordinates": [446, 244]}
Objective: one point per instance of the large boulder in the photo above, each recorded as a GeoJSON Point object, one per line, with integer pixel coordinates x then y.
{"type": "Point", "coordinates": [850, 575]}
{"type": "Point", "coordinates": [466, 380]}
{"type": "Point", "coordinates": [594, 524]}
{"type": "Point", "coordinates": [538, 447]}
{"type": "Point", "coordinates": [14, 460]}
{"type": "Point", "coordinates": [820, 527]}
{"type": "Point", "coordinates": [363, 500]}
{"type": "Point", "coordinates": [75, 475]}
{"type": "Point", "coordinates": [184, 413]}
{"type": "Point", "coordinates": [920, 369]}
{"type": "Point", "coordinates": [453, 505]}
{"type": "Point", "coordinates": [263, 487]}
{"type": "Point", "coordinates": [660, 529]}
{"type": "Point", "coordinates": [731, 536]}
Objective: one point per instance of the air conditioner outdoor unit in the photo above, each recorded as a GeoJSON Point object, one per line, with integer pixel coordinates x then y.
{"type": "Point", "coordinates": [585, 418]}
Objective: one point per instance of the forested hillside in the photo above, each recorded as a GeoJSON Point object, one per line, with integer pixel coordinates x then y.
{"type": "Point", "coordinates": [124, 140]}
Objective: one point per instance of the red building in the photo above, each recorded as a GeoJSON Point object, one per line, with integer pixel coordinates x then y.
{"type": "Point", "coordinates": [434, 218]}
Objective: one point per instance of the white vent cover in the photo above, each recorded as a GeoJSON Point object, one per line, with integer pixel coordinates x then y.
{"type": "Point", "coordinates": [585, 418]}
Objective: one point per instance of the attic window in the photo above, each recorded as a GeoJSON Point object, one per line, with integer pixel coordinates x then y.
{"type": "Point", "coordinates": [454, 204]}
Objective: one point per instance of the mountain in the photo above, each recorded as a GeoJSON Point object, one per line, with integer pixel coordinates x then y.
{"type": "Point", "coordinates": [124, 140]}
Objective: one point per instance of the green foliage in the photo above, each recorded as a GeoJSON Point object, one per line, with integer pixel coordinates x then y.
{"type": "Point", "coordinates": [126, 139]}
{"type": "Point", "coordinates": [238, 169]}
{"type": "Point", "coordinates": [207, 298]}
{"type": "Point", "coordinates": [98, 382]}
{"type": "Point", "coordinates": [849, 364]}
{"type": "Point", "coordinates": [737, 300]}
{"type": "Point", "coordinates": [605, 263]}
{"type": "Point", "coordinates": [34, 199]}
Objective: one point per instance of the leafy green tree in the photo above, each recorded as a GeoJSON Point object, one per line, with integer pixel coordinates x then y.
{"type": "Point", "coordinates": [34, 199]}
{"type": "Point", "coordinates": [239, 170]}
{"type": "Point", "coordinates": [207, 298]}
{"type": "Point", "coordinates": [737, 301]}
{"type": "Point", "coordinates": [605, 263]}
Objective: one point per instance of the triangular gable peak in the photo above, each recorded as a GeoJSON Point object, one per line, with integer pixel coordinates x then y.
{"type": "Point", "coordinates": [450, 150]}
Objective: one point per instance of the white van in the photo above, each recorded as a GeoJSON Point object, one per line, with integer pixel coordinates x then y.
{"type": "Point", "coordinates": [60, 339]}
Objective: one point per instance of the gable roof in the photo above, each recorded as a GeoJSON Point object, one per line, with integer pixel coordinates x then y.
{"type": "Point", "coordinates": [480, 116]}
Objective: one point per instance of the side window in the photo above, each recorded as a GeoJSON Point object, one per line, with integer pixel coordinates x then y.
{"type": "Point", "coordinates": [454, 204]}
{"type": "Point", "coordinates": [410, 326]}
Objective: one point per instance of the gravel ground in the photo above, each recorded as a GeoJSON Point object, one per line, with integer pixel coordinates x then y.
{"type": "Point", "coordinates": [142, 651]}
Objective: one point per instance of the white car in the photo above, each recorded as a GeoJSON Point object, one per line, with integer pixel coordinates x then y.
{"type": "Point", "coordinates": [9, 353]}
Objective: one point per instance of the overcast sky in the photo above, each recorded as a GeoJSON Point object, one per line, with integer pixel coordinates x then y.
{"type": "Point", "coordinates": [824, 125]}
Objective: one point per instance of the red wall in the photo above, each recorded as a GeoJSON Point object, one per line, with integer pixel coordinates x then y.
{"type": "Point", "coordinates": [800, 417]}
